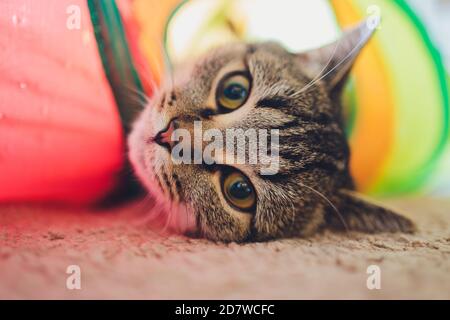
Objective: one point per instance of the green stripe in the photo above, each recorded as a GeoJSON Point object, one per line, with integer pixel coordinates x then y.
{"type": "Point", "coordinates": [349, 103]}
{"type": "Point", "coordinates": [436, 57]}
{"type": "Point", "coordinates": [116, 59]}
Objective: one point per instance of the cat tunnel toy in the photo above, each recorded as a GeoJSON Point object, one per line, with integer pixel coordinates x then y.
{"type": "Point", "coordinates": [73, 74]}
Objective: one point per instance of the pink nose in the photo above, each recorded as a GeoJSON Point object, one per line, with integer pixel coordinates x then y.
{"type": "Point", "coordinates": [163, 138]}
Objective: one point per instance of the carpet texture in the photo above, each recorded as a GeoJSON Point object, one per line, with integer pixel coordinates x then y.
{"type": "Point", "coordinates": [120, 258]}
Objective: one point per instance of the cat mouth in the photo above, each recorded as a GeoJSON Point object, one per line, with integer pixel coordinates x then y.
{"type": "Point", "coordinates": [163, 137]}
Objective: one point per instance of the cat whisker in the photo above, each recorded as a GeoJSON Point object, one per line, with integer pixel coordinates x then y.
{"type": "Point", "coordinates": [318, 76]}
{"type": "Point", "coordinates": [135, 96]}
{"type": "Point", "coordinates": [159, 221]}
{"type": "Point", "coordinates": [188, 218]}
{"type": "Point", "coordinates": [167, 64]}
{"type": "Point", "coordinates": [149, 81]}
{"type": "Point", "coordinates": [321, 75]}
{"type": "Point", "coordinates": [169, 218]}
{"type": "Point", "coordinates": [145, 206]}
{"type": "Point", "coordinates": [138, 92]}
{"type": "Point", "coordinates": [338, 213]}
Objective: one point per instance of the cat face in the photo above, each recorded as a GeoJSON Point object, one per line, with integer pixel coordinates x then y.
{"type": "Point", "coordinates": [258, 87]}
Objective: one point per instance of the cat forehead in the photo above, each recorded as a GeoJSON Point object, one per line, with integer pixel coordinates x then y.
{"type": "Point", "coordinates": [210, 64]}
{"type": "Point", "coordinates": [195, 79]}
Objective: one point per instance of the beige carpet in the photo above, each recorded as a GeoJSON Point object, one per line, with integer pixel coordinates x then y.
{"type": "Point", "coordinates": [119, 259]}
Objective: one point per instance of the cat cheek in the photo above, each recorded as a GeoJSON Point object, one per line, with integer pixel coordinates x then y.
{"type": "Point", "coordinates": [231, 229]}
{"type": "Point", "coordinates": [241, 226]}
{"type": "Point", "coordinates": [243, 222]}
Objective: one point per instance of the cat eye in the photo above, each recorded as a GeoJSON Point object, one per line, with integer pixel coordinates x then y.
{"type": "Point", "coordinates": [238, 191]}
{"type": "Point", "coordinates": [233, 91]}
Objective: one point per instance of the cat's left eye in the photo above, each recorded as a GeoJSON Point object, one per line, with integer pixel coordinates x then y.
{"type": "Point", "coordinates": [238, 191]}
{"type": "Point", "coordinates": [233, 91]}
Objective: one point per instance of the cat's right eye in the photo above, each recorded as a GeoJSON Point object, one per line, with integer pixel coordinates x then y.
{"type": "Point", "coordinates": [233, 91]}
{"type": "Point", "coordinates": [238, 191]}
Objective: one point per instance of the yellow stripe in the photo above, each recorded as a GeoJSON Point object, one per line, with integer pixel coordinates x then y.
{"type": "Point", "coordinates": [371, 141]}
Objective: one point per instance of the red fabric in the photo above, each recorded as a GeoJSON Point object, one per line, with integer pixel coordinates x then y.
{"type": "Point", "coordinates": [60, 132]}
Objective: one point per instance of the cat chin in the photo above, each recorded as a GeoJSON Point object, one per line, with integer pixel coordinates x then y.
{"type": "Point", "coordinates": [175, 217]}
{"type": "Point", "coordinates": [172, 217]}
{"type": "Point", "coordinates": [165, 214]}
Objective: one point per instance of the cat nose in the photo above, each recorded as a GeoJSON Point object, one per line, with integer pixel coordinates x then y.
{"type": "Point", "coordinates": [163, 138]}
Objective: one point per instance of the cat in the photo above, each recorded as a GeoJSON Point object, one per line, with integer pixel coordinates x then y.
{"type": "Point", "coordinates": [262, 86]}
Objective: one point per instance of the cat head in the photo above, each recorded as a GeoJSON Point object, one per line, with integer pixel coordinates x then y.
{"type": "Point", "coordinates": [258, 88]}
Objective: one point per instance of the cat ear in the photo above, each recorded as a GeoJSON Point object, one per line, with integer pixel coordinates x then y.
{"type": "Point", "coordinates": [332, 63]}
{"type": "Point", "coordinates": [362, 214]}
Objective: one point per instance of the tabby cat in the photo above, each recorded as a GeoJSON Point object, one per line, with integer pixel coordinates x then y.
{"type": "Point", "coordinates": [261, 86]}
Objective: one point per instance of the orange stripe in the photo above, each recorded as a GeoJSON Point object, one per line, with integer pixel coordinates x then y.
{"type": "Point", "coordinates": [372, 138]}
{"type": "Point", "coordinates": [151, 15]}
